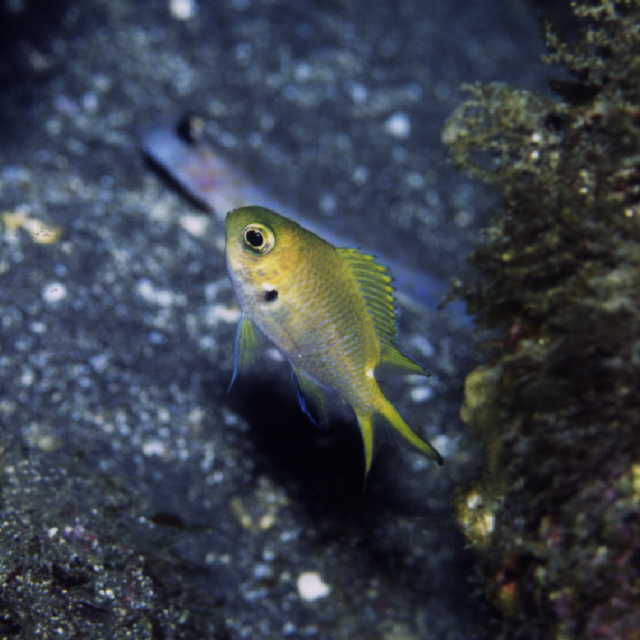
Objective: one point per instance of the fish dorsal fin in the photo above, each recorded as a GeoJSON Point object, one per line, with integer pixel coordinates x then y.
{"type": "Point", "coordinates": [392, 356]}
{"type": "Point", "coordinates": [375, 284]}
{"type": "Point", "coordinates": [374, 281]}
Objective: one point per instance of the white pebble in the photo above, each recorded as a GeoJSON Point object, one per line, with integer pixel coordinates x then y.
{"type": "Point", "coordinates": [54, 292]}
{"type": "Point", "coordinates": [311, 586]}
{"type": "Point", "coordinates": [182, 9]}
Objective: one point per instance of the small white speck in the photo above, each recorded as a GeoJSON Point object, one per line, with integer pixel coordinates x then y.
{"type": "Point", "coordinates": [489, 522]}
{"type": "Point", "coordinates": [303, 72]}
{"type": "Point", "coordinates": [274, 354]}
{"type": "Point", "coordinates": [328, 203]}
{"type": "Point", "coordinates": [421, 393]}
{"type": "Point", "coordinates": [311, 586]}
{"type": "Point", "coordinates": [262, 571]}
{"type": "Point", "coordinates": [196, 225]}
{"type": "Point", "coordinates": [463, 218]}
{"type": "Point", "coordinates": [289, 535]}
{"type": "Point", "coordinates": [218, 312]}
{"type": "Point", "coordinates": [398, 125]}
{"type": "Point", "coordinates": [155, 337]}
{"type": "Point", "coordinates": [90, 101]}
{"type": "Point", "coordinates": [212, 289]}
{"type": "Point", "coordinates": [216, 477]}
{"type": "Point", "coordinates": [415, 180]}
{"type": "Point", "coordinates": [99, 362]}
{"type": "Point", "coordinates": [161, 297]}
{"type": "Point", "coordinates": [183, 9]}
{"type": "Point", "coordinates": [38, 327]}
{"type": "Point", "coordinates": [154, 448]}
{"type": "Point", "coordinates": [27, 378]}
{"type": "Point", "coordinates": [54, 292]}
{"type": "Point", "coordinates": [444, 444]}
{"type": "Point", "coordinates": [52, 532]}
{"type": "Point", "coordinates": [242, 52]}
{"type": "Point", "coordinates": [474, 500]}
{"type": "Point", "coordinates": [422, 345]}
{"type": "Point", "coordinates": [360, 175]}
{"type": "Point", "coordinates": [359, 93]}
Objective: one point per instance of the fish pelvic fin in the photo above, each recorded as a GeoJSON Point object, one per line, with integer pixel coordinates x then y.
{"type": "Point", "coordinates": [245, 348]}
{"type": "Point", "coordinates": [365, 422]}
{"type": "Point", "coordinates": [391, 415]}
{"type": "Point", "coordinates": [309, 389]}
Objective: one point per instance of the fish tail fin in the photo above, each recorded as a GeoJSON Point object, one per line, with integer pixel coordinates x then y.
{"type": "Point", "coordinates": [391, 415]}
{"type": "Point", "coordinates": [365, 422]}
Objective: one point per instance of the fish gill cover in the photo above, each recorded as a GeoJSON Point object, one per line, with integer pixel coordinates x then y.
{"type": "Point", "coordinates": [555, 517]}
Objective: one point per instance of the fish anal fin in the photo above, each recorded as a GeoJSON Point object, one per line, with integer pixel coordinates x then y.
{"type": "Point", "coordinates": [245, 348]}
{"type": "Point", "coordinates": [310, 390]}
{"type": "Point", "coordinates": [391, 415]}
{"type": "Point", "coordinates": [365, 422]}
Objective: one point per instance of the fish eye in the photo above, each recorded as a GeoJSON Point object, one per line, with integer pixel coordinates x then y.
{"type": "Point", "coordinates": [258, 238]}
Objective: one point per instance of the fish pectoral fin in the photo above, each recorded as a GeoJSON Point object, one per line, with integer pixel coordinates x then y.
{"type": "Point", "coordinates": [392, 356]}
{"type": "Point", "coordinates": [390, 414]}
{"type": "Point", "coordinates": [245, 348]}
{"type": "Point", "coordinates": [310, 390]}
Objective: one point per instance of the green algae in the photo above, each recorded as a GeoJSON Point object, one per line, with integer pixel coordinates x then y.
{"type": "Point", "coordinates": [558, 287]}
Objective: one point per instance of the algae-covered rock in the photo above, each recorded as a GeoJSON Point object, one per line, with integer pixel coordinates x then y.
{"type": "Point", "coordinates": [559, 285]}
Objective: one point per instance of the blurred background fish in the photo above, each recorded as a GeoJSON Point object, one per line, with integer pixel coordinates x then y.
{"type": "Point", "coordinates": [180, 150]}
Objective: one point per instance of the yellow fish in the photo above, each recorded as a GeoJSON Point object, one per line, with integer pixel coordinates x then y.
{"type": "Point", "coordinates": [329, 310]}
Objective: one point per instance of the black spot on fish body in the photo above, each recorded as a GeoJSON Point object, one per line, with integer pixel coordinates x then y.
{"type": "Point", "coordinates": [270, 295]}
